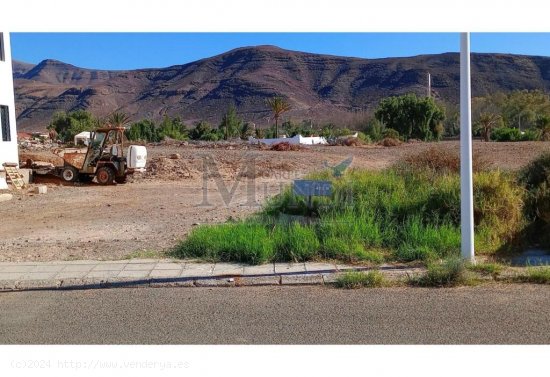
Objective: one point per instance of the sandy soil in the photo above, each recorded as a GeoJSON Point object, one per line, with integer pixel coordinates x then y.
{"type": "Point", "coordinates": [151, 213]}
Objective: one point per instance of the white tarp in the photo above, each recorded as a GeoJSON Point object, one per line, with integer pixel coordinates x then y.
{"type": "Point", "coordinates": [82, 137]}
{"type": "Point", "coordinates": [298, 139]}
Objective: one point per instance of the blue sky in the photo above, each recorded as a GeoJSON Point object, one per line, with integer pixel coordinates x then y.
{"type": "Point", "coordinates": [147, 50]}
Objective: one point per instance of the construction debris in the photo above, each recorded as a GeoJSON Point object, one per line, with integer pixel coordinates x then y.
{"type": "Point", "coordinates": [40, 189]}
{"type": "Point", "coordinates": [13, 175]}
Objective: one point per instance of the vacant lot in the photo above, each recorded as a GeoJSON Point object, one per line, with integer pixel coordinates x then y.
{"type": "Point", "coordinates": [151, 213]}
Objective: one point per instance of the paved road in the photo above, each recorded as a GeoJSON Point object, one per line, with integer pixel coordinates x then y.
{"type": "Point", "coordinates": [289, 315]}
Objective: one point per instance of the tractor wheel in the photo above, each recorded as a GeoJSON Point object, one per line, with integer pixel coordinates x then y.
{"type": "Point", "coordinates": [105, 175]}
{"type": "Point", "coordinates": [122, 179]}
{"type": "Point", "coordinates": [69, 174]}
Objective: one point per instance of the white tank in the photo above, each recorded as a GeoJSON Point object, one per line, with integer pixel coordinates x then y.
{"type": "Point", "coordinates": [136, 157]}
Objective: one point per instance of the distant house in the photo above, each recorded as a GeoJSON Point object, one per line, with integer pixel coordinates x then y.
{"type": "Point", "coordinates": [8, 132]}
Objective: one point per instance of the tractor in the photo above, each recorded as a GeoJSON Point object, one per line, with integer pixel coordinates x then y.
{"type": "Point", "coordinates": [103, 159]}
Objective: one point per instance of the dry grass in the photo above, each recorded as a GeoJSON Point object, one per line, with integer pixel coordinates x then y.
{"type": "Point", "coordinates": [389, 142]}
{"type": "Point", "coordinates": [441, 161]}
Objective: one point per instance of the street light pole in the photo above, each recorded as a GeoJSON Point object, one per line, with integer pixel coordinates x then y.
{"type": "Point", "coordinates": [466, 180]}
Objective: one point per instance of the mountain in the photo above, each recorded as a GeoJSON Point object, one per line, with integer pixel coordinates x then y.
{"type": "Point", "coordinates": [319, 87]}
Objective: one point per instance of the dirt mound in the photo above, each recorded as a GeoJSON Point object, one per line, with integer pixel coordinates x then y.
{"type": "Point", "coordinates": [349, 141]}
{"type": "Point", "coordinates": [284, 147]}
{"type": "Point", "coordinates": [168, 169]}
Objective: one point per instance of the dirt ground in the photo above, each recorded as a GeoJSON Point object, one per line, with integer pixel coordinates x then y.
{"type": "Point", "coordinates": [147, 216]}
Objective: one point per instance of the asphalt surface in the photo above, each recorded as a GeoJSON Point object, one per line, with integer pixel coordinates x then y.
{"type": "Point", "coordinates": [491, 314]}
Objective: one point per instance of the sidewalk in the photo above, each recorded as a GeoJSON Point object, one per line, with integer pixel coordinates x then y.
{"type": "Point", "coordinates": [160, 273]}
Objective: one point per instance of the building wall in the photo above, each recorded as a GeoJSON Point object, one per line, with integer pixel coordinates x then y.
{"type": "Point", "coordinates": [8, 149]}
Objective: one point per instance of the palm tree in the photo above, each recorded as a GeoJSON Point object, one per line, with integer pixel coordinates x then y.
{"type": "Point", "coordinates": [486, 123]}
{"type": "Point", "coordinates": [117, 119]}
{"type": "Point", "coordinates": [278, 105]}
{"type": "Point", "coordinates": [543, 124]}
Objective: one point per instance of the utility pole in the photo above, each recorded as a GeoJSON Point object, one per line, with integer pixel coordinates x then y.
{"type": "Point", "coordinates": [466, 180]}
{"type": "Point", "coordinates": [429, 85]}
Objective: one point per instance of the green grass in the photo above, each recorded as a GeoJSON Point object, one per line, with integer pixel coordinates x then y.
{"type": "Point", "coordinates": [247, 242]}
{"type": "Point", "coordinates": [357, 279]}
{"type": "Point", "coordinates": [493, 269]}
{"type": "Point", "coordinates": [443, 273]}
{"type": "Point", "coordinates": [537, 275]}
{"type": "Point", "coordinates": [398, 214]}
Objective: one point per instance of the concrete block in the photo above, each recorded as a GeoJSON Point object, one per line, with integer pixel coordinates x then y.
{"type": "Point", "coordinates": [330, 278]}
{"type": "Point", "coordinates": [38, 284]}
{"type": "Point", "coordinates": [40, 189]}
{"type": "Point", "coordinates": [3, 184]}
{"type": "Point", "coordinates": [5, 197]}
{"type": "Point", "coordinates": [27, 175]}
{"type": "Point", "coordinates": [302, 279]}
{"type": "Point", "coordinates": [257, 280]}
{"type": "Point", "coordinates": [215, 282]}
{"type": "Point", "coordinates": [86, 283]}
{"type": "Point", "coordinates": [170, 282]}
{"type": "Point", "coordinates": [7, 285]}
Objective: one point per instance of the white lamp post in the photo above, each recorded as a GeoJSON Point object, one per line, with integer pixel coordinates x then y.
{"type": "Point", "coordinates": [466, 180]}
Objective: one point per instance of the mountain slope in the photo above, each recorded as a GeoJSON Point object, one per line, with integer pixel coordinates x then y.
{"type": "Point", "coordinates": [319, 87]}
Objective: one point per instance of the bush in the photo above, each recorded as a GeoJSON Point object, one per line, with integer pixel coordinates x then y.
{"type": "Point", "coordinates": [390, 142]}
{"type": "Point", "coordinates": [356, 279]}
{"type": "Point", "coordinates": [443, 273]}
{"type": "Point", "coordinates": [514, 134]}
{"type": "Point", "coordinates": [536, 179]}
{"type": "Point", "coordinates": [437, 160]}
{"type": "Point", "coordinates": [390, 133]}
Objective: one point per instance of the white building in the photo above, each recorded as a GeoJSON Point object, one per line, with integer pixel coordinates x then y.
{"type": "Point", "coordinates": [8, 132]}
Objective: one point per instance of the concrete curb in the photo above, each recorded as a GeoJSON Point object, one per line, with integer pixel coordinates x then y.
{"type": "Point", "coordinates": [311, 277]}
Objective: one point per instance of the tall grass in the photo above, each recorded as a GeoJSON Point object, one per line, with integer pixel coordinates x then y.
{"type": "Point", "coordinates": [395, 214]}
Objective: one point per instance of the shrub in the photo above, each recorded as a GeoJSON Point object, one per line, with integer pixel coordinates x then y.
{"type": "Point", "coordinates": [443, 273]}
{"type": "Point", "coordinates": [498, 207]}
{"type": "Point", "coordinates": [390, 142]}
{"type": "Point", "coordinates": [506, 134]}
{"type": "Point", "coordinates": [437, 160]}
{"type": "Point", "coordinates": [536, 179]}
{"type": "Point", "coordinates": [356, 279]}
{"type": "Point", "coordinates": [390, 133]}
